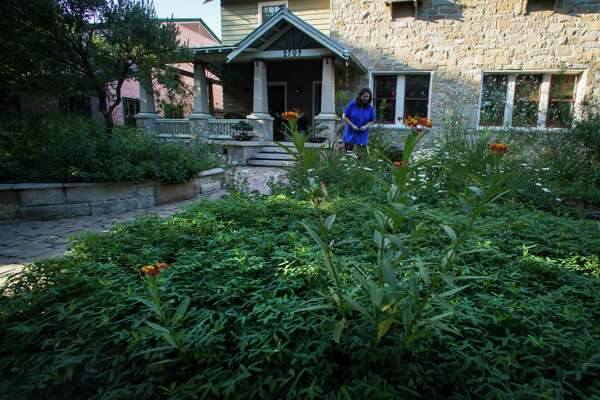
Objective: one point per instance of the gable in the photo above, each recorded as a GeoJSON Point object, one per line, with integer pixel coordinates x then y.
{"type": "Point", "coordinates": [294, 39]}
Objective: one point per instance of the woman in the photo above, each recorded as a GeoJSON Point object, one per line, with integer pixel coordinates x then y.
{"type": "Point", "coordinates": [359, 116]}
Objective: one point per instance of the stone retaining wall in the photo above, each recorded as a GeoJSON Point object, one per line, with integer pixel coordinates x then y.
{"type": "Point", "coordinates": [45, 201]}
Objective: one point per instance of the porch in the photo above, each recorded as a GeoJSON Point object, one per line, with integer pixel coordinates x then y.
{"type": "Point", "coordinates": [284, 64]}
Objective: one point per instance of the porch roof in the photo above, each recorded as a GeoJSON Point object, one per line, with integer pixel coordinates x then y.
{"type": "Point", "coordinates": [282, 21]}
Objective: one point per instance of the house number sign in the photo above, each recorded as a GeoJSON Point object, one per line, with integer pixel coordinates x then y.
{"type": "Point", "coordinates": [292, 52]}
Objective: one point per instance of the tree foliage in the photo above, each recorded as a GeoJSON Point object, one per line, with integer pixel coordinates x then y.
{"type": "Point", "coordinates": [88, 46]}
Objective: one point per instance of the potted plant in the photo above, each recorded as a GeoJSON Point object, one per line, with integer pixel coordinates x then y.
{"type": "Point", "coordinates": [314, 134]}
{"type": "Point", "coordinates": [242, 131]}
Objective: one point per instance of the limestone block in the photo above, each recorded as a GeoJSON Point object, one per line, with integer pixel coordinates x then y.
{"type": "Point", "coordinates": [41, 197]}
{"type": "Point", "coordinates": [9, 197]}
{"type": "Point", "coordinates": [145, 202]}
{"type": "Point", "coordinates": [113, 206]}
{"type": "Point", "coordinates": [54, 212]}
{"type": "Point", "coordinates": [175, 192]}
{"type": "Point", "coordinates": [90, 194]}
{"type": "Point", "coordinates": [8, 211]}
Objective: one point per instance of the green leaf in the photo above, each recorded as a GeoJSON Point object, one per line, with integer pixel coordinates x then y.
{"type": "Point", "coordinates": [315, 308]}
{"type": "Point", "coordinates": [466, 206]}
{"type": "Point", "coordinates": [329, 222]}
{"type": "Point", "coordinates": [377, 295]}
{"type": "Point", "coordinates": [388, 274]}
{"type": "Point", "coordinates": [181, 309]}
{"type": "Point", "coordinates": [417, 335]}
{"type": "Point", "coordinates": [378, 239]}
{"type": "Point", "coordinates": [452, 292]}
{"type": "Point", "coordinates": [315, 237]}
{"type": "Point", "coordinates": [423, 271]}
{"type": "Point", "coordinates": [383, 327]}
{"type": "Point", "coordinates": [338, 329]}
{"type": "Point", "coordinates": [476, 191]}
{"type": "Point", "coordinates": [449, 231]}
{"type": "Point", "coordinates": [156, 327]}
{"type": "Point", "coordinates": [147, 302]}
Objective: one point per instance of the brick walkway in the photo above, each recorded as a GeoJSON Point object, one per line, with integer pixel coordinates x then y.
{"type": "Point", "coordinates": [22, 242]}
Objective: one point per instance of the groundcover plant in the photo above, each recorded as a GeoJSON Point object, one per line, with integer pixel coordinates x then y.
{"type": "Point", "coordinates": [233, 299]}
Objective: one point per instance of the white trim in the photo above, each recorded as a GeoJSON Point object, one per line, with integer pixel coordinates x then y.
{"type": "Point", "coordinates": [314, 92]}
{"type": "Point", "coordinates": [579, 96]}
{"type": "Point", "coordinates": [544, 99]}
{"type": "Point", "coordinates": [480, 97]}
{"type": "Point", "coordinates": [261, 4]}
{"type": "Point", "coordinates": [400, 76]}
{"type": "Point", "coordinates": [400, 92]}
{"type": "Point", "coordinates": [509, 101]}
{"type": "Point", "coordinates": [284, 84]}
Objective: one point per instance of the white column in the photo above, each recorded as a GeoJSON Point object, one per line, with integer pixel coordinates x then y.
{"type": "Point", "coordinates": [327, 118]}
{"type": "Point", "coordinates": [260, 118]}
{"type": "Point", "coordinates": [146, 119]}
{"type": "Point", "coordinates": [260, 103]}
{"type": "Point", "coordinates": [510, 100]}
{"type": "Point", "coordinates": [147, 97]}
{"type": "Point", "coordinates": [201, 108]}
{"type": "Point", "coordinates": [544, 99]}
{"type": "Point", "coordinates": [399, 112]}
{"type": "Point", "coordinates": [327, 89]}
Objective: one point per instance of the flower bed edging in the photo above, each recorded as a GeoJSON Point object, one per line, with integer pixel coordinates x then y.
{"type": "Point", "coordinates": [46, 201]}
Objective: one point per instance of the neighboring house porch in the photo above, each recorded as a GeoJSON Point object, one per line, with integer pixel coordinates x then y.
{"type": "Point", "coordinates": [284, 64]}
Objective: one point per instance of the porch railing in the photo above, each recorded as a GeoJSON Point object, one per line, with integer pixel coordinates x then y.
{"type": "Point", "coordinates": [221, 128]}
{"type": "Point", "coordinates": [167, 126]}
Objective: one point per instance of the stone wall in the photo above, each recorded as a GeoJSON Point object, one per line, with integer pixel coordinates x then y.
{"type": "Point", "coordinates": [458, 40]}
{"type": "Point", "coordinates": [46, 201]}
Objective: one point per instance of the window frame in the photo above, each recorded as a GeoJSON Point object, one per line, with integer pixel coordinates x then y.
{"type": "Point", "coordinates": [544, 97]}
{"type": "Point", "coordinates": [124, 100]}
{"type": "Point", "coordinates": [268, 3]}
{"type": "Point", "coordinates": [400, 91]}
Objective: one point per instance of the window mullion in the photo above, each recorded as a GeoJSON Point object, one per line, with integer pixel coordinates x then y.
{"type": "Point", "coordinates": [400, 89]}
{"type": "Point", "coordinates": [544, 99]}
{"type": "Point", "coordinates": [510, 100]}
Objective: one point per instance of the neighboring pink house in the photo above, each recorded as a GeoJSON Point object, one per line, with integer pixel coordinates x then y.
{"type": "Point", "coordinates": [193, 32]}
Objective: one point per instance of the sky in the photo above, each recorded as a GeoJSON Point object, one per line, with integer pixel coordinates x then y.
{"type": "Point", "coordinates": [209, 12]}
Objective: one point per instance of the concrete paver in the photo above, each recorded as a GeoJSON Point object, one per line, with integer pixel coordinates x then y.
{"type": "Point", "coordinates": [22, 242]}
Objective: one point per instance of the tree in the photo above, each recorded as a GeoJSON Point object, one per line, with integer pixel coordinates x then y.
{"type": "Point", "coordinates": [97, 43]}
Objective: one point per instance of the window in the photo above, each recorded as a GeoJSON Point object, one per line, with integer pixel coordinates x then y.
{"type": "Point", "coordinates": [528, 100]}
{"type": "Point", "coordinates": [131, 107]}
{"type": "Point", "coordinates": [267, 9]}
{"type": "Point", "coordinates": [403, 8]}
{"type": "Point", "coordinates": [541, 5]}
{"type": "Point", "coordinates": [397, 97]}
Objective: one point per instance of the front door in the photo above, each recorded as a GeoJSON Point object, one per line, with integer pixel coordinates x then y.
{"type": "Point", "coordinates": [276, 94]}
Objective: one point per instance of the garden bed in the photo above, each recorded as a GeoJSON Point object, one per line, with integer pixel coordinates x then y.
{"type": "Point", "coordinates": [45, 201]}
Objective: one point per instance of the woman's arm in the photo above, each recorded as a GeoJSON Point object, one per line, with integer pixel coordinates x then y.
{"type": "Point", "coordinates": [366, 126]}
{"type": "Point", "coordinates": [347, 120]}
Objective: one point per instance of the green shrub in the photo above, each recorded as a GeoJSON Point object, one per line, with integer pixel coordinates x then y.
{"type": "Point", "coordinates": [74, 328]}
{"type": "Point", "coordinates": [44, 149]}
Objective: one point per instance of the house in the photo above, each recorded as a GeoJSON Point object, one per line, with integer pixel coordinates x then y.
{"type": "Point", "coordinates": [193, 32]}
{"type": "Point", "coordinates": [500, 63]}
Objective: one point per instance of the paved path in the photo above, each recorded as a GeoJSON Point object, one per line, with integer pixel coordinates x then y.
{"type": "Point", "coordinates": [22, 242]}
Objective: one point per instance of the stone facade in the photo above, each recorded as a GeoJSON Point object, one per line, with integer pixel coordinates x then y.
{"type": "Point", "coordinates": [459, 40]}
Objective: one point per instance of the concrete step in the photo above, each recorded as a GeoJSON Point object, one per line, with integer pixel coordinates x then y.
{"type": "Point", "coordinates": [277, 149]}
{"type": "Point", "coordinates": [270, 163]}
{"type": "Point", "coordinates": [210, 187]}
{"type": "Point", "coordinates": [273, 156]}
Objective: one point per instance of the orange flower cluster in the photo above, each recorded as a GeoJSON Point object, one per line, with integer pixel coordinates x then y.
{"type": "Point", "coordinates": [153, 270]}
{"type": "Point", "coordinates": [498, 148]}
{"type": "Point", "coordinates": [289, 115]}
{"type": "Point", "coordinates": [399, 164]}
{"type": "Point", "coordinates": [418, 123]}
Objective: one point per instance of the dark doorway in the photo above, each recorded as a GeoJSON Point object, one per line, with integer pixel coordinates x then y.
{"type": "Point", "coordinates": [276, 94]}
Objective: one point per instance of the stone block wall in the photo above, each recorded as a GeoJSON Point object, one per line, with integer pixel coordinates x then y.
{"type": "Point", "coordinates": [46, 201]}
{"type": "Point", "coordinates": [459, 39]}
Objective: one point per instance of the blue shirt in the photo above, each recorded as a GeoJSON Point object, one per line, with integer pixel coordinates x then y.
{"type": "Point", "coordinates": [359, 116]}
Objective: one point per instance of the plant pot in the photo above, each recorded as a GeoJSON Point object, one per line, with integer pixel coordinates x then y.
{"type": "Point", "coordinates": [242, 136]}
{"type": "Point", "coordinates": [317, 139]}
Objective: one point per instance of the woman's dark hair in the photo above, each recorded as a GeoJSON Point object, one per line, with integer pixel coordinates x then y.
{"type": "Point", "coordinates": [363, 91]}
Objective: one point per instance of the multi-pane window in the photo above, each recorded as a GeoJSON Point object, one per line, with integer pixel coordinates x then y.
{"type": "Point", "coordinates": [131, 107]}
{"type": "Point", "coordinates": [397, 97]}
{"type": "Point", "coordinates": [528, 100]}
{"type": "Point", "coordinates": [268, 9]}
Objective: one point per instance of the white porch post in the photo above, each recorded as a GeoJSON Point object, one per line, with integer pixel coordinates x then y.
{"type": "Point", "coordinates": [146, 119]}
{"type": "Point", "coordinates": [327, 117]}
{"type": "Point", "coordinates": [260, 118]}
{"type": "Point", "coordinates": [200, 112]}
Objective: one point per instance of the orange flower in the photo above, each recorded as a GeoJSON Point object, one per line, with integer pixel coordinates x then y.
{"type": "Point", "coordinates": [426, 122]}
{"type": "Point", "coordinates": [289, 115]}
{"type": "Point", "coordinates": [411, 122]}
{"type": "Point", "coordinates": [149, 270]}
{"type": "Point", "coordinates": [160, 265]}
{"type": "Point", "coordinates": [498, 148]}
{"type": "Point", "coordinates": [399, 164]}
